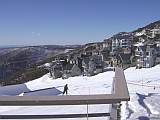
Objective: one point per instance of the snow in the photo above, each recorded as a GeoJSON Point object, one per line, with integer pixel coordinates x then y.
{"type": "Point", "coordinates": [145, 100]}
{"type": "Point", "coordinates": [139, 34]}
{"type": "Point", "coordinates": [67, 50]}
{"type": "Point", "coordinates": [143, 85]}
{"type": "Point", "coordinates": [47, 64]}
{"type": "Point", "coordinates": [139, 44]}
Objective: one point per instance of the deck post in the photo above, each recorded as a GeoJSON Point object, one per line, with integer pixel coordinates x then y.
{"type": "Point", "coordinates": [113, 107]}
{"type": "Point", "coordinates": [87, 111]}
{"type": "Point", "coordinates": [113, 112]}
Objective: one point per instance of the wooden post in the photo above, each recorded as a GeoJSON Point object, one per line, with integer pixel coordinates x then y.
{"type": "Point", "coordinates": [113, 112]}
{"type": "Point", "coordinates": [113, 107]}
{"type": "Point", "coordinates": [87, 111]}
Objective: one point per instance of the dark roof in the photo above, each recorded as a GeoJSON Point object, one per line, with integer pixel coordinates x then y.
{"type": "Point", "coordinates": [144, 47]}
{"type": "Point", "coordinates": [86, 60]}
{"type": "Point", "coordinates": [57, 66]}
{"type": "Point", "coordinates": [126, 56]}
{"type": "Point", "coordinates": [123, 56]}
{"type": "Point", "coordinates": [118, 57]}
{"type": "Point", "coordinates": [150, 42]}
{"type": "Point", "coordinates": [132, 48]}
{"type": "Point", "coordinates": [118, 48]}
{"type": "Point", "coordinates": [68, 67]}
{"type": "Point", "coordinates": [99, 67]}
{"type": "Point", "coordinates": [148, 48]}
{"type": "Point", "coordinates": [105, 50]}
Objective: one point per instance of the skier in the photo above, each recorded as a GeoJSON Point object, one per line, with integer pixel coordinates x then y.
{"type": "Point", "coordinates": [65, 89]}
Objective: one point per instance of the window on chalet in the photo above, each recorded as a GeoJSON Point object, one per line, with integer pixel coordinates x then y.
{"type": "Point", "coordinates": [147, 53]}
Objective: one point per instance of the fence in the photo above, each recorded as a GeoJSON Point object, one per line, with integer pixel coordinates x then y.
{"type": "Point", "coordinates": [119, 93]}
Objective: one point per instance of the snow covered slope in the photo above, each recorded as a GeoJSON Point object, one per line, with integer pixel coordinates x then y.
{"type": "Point", "coordinates": [143, 85]}
{"type": "Point", "coordinates": [144, 89]}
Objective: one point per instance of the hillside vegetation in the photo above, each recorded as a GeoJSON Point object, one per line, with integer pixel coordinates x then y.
{"type": "Point", "coordinates": [150, 26]}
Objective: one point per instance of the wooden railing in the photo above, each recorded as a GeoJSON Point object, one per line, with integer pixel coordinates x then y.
{"type": "Point", "coordinates": [119, 93]}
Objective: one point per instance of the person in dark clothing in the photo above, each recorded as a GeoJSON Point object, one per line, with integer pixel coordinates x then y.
{"type": "Point", "coordinates": [65, 89]}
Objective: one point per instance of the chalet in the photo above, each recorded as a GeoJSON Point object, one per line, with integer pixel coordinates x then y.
{"type": "Point", "coordinates": [91, 68]}
{"type": "Point", "coordinates": [72, 56]}
{"type": "Point", "coordinates": [107, 43]}
{"type": "Point", "coordinates": [92, 65]}
{"type": "Point", "coordinates": [139, 54]}
{"type": "Point", "coordinates": [150, 57]}
{"type": "Point", "coordinates": [71, 70]}
{"type": "Point", "coordinates": [154, 31]}
{"type": "Point", "coordinates": [56, 71]}
{"type": "Point", "coordinates": [123, 60]}
{"type": "Point", "coordinates": [118, 50]}
{"type": "Point", "coordinates": [139, 51]}
{"type": "Point", "coordinates": [122, 41]}
{"type": "Point", "coordinates": [146, 55]}
{"type": "Point", "coordinates": [98, 63]}
{"type": "Point", "coordinates": [105, 54]}
{"type": "Point", "coordinates": [97, 58]}
{"type": "Point", "coordinates": [77, 61]}
{"type": "Point", "coordinates": [85, 65]}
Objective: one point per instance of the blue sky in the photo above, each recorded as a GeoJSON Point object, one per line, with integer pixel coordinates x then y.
{"type": "Point", "coordinates": [66, 22]}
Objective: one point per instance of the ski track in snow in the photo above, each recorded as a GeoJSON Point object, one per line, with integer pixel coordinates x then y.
{"type": "Point", "coordinates": [142, 103]}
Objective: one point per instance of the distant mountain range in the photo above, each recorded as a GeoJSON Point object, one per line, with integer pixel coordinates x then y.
{"type": "Point", "coordinates": [10, 46]}
{"type": "Point", "coordinates": [39, 53]}
{"type": "Point", "coordinates": [14, 58]}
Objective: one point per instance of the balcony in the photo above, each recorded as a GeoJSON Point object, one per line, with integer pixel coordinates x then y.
{"type": "Point", "coordinates": [119, 93]}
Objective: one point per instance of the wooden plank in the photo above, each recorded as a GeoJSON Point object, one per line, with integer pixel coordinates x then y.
{"type": "Point", "coordinates": [53, 116]}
